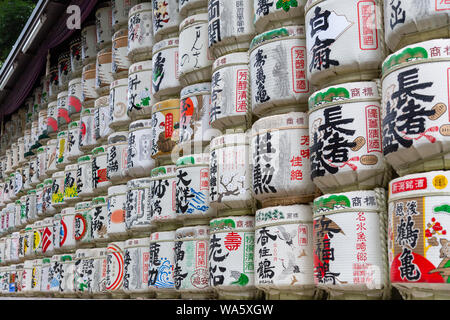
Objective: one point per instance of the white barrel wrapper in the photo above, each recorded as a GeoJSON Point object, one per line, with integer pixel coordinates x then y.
{"type": "Point", "coordinates": [117, 198]}
{"type": "Point", "coordinates": [136, 264]}
{"type": "Point", "coordinates": [139, 160]}
{"type": "Point", "coordinates": [114, 271]}
{"type": "Point", "coordinates": [117, 149]}
{"type": "Point", "coordinates": [140, 32]}
{"type": "Point", "coordinates": [140, 90]}
{"type": "Point", "coordinates": [163, 190]}
{"type": "Point", "coordinates": [166, 18]}
{"type": "Point", "coordinates": [165, 80]}
{"type": "Point", "coordinates": [118, 104]}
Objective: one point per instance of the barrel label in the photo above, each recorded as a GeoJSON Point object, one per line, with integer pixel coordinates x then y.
{"type": "Point", "coordinates": [367, 23]}
{"type": "Point", "coordinates": [442, 5]}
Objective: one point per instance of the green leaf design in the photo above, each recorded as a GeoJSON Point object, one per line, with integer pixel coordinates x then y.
{"type": "Point", "coordinates": [286, 4]}
{"type": "Point", "coordinates": [242, 281]}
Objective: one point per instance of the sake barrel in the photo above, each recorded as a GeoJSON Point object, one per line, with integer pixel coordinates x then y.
{"type": "Point", "coordinates": [21, 153]}
{"type": "Point", "coordinates": [68, 270]}
{"type": "Point", "coordinates": [284, 252]}
{"type": "Point", "coordinates": [98, 285]}
{"type": "Point", "coordinates": [61, 150]}
{"type": "Point", "coordinates": [54, 81]}
{"type": "Point", "coordinates": [63, 112]}
{"type": "Point", "coordinates": [18, 280]}
{"type": "Point", "coordinates": [166, 18]}
{"type": "Point", "coordinates": [140, 32]}
{"type": "Point", "coordinates": [51, 156]}
{"type": "Point", "coordinates": [12, 280]}
{"type": "Point", "coordinates": [89, 94]}
{"type": "Point", "coordinates": [45, 85]}
{"type": "Point", "coordinates": [140, 92]}
{"type": "Point", "coordinates": [165, 130]}
{"type": "Point", "coordinates": [115, 268]}
{"type": "Point", "coordinates": [84, 177]}
{"type": "Point", "coordinates": [14, 156]}
{"type": "Point", "coordinates": [192, 189]}
{"type": "Point", "coordinates": [195, 60]}
{"type": "Point", "coordinates": [230, 26]}
{"type": "Point", "coordinates": [344, 155]}
{"type": "Point", "coordinates": [14, 253]}
{"type": "Point", "coordinates": [67, 241]}
{"type": "Point", "coordinates": [76, 64]}
{"type": "Point", "coordinates": [165, 80]}
{"type": "Point", "coordinates": [137, 218]}
{"type": "Point", "coordinates": [278, 71]}
{"type": "Point", "coordinates": [4, 280]}
{"type": "Point", "coordinates": [280, 153]}
{"type": "Point", "coordinates": [48, 247]}
{"type": "Point", "coordinates": [58, 189]}
{"type": "Point", "coordinates": [195, 109]}
{"type": "Point", "coordinates": [231, 248]}
{"type": "Point", "coordinates": [408, 22]}
{"type": "Point", "coordinates": [417, 235]}
{"type": "Point", "coordinates": [103, 74]}
{"type": "Point", "coordinates": [99, 213]}
{"type": "Point", "coordinates": [117, 153]}
{"type": "Point", "coordinates": [64, 69]}
{"type": "Point", "coordinates": [70, 184]}
{"type": "Point", "coordinates": [120, 10]}
{"type": "Point", "coordinates": [36, 245]}
{"type": "Point", "coordinates": [87, 138]}
{"type": "Point", "coordinates": [41, 155]}
{"type": "Point", "coordinates": [28, 142]}
{"type": "Point", "coordinates": [73, 141]}
{"type": "Point", "coordinates": [163, 197]}
{"type": "Point", "coordinates": [55, 276]}
{"type": "Point", "coordinates": [42, 127]}
{"type": "Point", "coordinates": [8, 168]}
{"type": "Point", "coordinates": [34, 171]}
{"type": "Point", "coordinates": [99, 167]}
{"type": "Point", "coordinates": [103, 22]}
{"type": "Point", "coordinates": [29, 238]}
{"type": "Point", "coordinates": [88, 43]}
{"type": "Point", "coordinates": [7, 257]}
{"type": "Point", "coordinates": [191, 273]}
{"type": "Point", "coordinates": [230, 185]}
{"type": "Point", "coordinates": [39, 204]}
{"type": "Point", "coordinates": [47, 192]}
{"type": "Point", "coordinates": [52, 118]}
{"type": "Point", "coordinates": [26, 277]}
{"type": "Point", "coordinates": [34, 141]}
{"type": "Point", "coordinates": [120, 62]}
{"type": "Point", "coordinates": [2, 250]}
{"type": "Point", "coordinates": [56, 232]}
{"type": "Point", "coordinates": [102, 119]}
{"type": "Point", "coordinates": [83, 225]}
{"type": "Point", "coordinates": [136, 266]}
{"type": "Point", "coordinates": [139, 160]}
{"type": "Point", "coordinates": [30, 206]}
{"type": "Point", "coordinates": [162, 264]}
{"type": "Point", "coordinates": [353, 227]}
{"type": "Point", "coordinates": [118, 105]}
{"type": "Point", "coordinates": [116, 227]}
{"type": "Point", "coordinates": [332, 29]}
{"type": "Point", "coordinates": [74, 98]}
{"type": "Point", "coordinates": [414, 113]}
{"type": "Point", "coordinates": [83, 273]}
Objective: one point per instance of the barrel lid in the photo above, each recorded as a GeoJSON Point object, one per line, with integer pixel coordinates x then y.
{"type": "Point", "coordinates": [119, 83]}
{"type": "Point", "coordinates": [99, 150]}
{"type": "Point", "coordinates": [192, 232]}
{"type": "Point", "coordinates": [419, 52]}
{"type": "Point", "coordinates": [120, 33]}
{"type": "Point", "coordinates": [230, 59]}
{"type": "Point", "coordinates": [363, 200]}
{"type": "Point", "coordinates": [84, 158]}
{"type": "Point", "coordinates": [103, 101]}
{"type": "Point", "coordinates": [196, 18]}
{"type": "Point", "coordinates": [83, 254]}
{"type": "Point", "coordinates": [425, 184]}
{"type": "Point", "coordinates": [229, 140]}
{"type": "Point", "coordinates": [116, 137]}
{"type": "Point", "coordinates": [342, 93]}
{"type": "Point", "coordinates": [145, 65]}
{"type": "Point", "coordinates": [58, 174]}
{"type": "Point", "coordinates": [145, 6]}
{"type": "Point", "coordinates": [163, 172]}
{"type": "Point", "coordinates": [62, 94]}
{"type": "Point", "coordinates": [194, 159]}
{"type": "Point", "coordinates": [75, 81]}
{"type": "Point", "coordinates": [98, 201]}
{"type": "Point", "coordinates": [279, 33]}
{"type": "Point", "coordinates": [287, 120]}
{"type": "Point", "coordinates": [140, 124]}
{"type": "Point", "coordinates": [83, 205]}
{"type": "Point", "coordinates": [74, 124]}
{"type": "Point", "coordinates": [140, 242]}
{"type": "Point", "coordinates": [196, 89]}
{"type": "Point", "coordinates": [139, 183]}
{"type": "Point", "coordinates": [120, 189]}
{"type": "Point", "coordinates": [166, 104]}
{"type": "Point", "coordinates": [165, 44]}
{"type": "Point", "coordinates": [245, 223]}
{"type": "Point", "coordinates": [162, 236]}
{"type": "Point", "coordinates": [71, 167]}
{"type": "Point", "coordinates": [67, 210]}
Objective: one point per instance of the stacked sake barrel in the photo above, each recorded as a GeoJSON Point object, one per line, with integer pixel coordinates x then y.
{"type": "Point", "coordinates": [415, 117]}
{"type": "Point", "coordinates": [345, 49]}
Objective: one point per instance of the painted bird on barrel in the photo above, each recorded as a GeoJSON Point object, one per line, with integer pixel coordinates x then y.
{"type": "Point", "coordinates": [288, 237]}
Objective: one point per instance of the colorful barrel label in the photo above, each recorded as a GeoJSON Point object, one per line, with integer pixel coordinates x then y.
{"type": "Point", "coordinates": [99, 215]}
{"type": "Point", "coordinates": [73, 139]}
{"type": "Point", "coordinates": [140, 89]}
{"type": "Point", "coordinates": [114, 273]}
{"type": "Point", "coordinates": [138, 205]}
{"type": "Point", "coordinates": [87, 137]}
{"type": "Point", "coordinates": [58, 190]}
{"type": "Point", "coordinates": [231, 252]}
{"type": "Point", "coordinates": [84, 271]}
{"type": "Point", "coordinates": [116, 214]}
{"type": "Point", "coordinates": [163, 195]}
{"type": "Point", "coordinates": [99, 167]}
{"type": "Point", "coordinates": [75, 92]}
{"type": "Point", "coordinates": [70, 184]}
{"type": "Point", "coordinates": [165, 129]}
{"type": "Point", "coordinates": [136, 267]}
{"type": "Point", "coordinates": [161, 265]}
{"type": "Point", "coordinates": [347, 244]}
{"type": "Point", "coordinates": [139, 158]}
{"type": "Point", "coordinates": [165, 66]}
{"type": "Point", "coordinates": [117, 160]}
{"type": "Point", "coordinates": [82, 227]}
{"type": "Point", "coordinates": [418, 245]}
{"type": "Point", "coordinates": [165, 15]}
{"type": "Point", "coordinates": [140, 28]}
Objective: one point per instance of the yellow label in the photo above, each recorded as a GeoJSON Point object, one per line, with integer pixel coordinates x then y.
{"type": "Point", "coordinates": [37, 240]}
{"type": "Point", "coordinates": [440, 182]}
